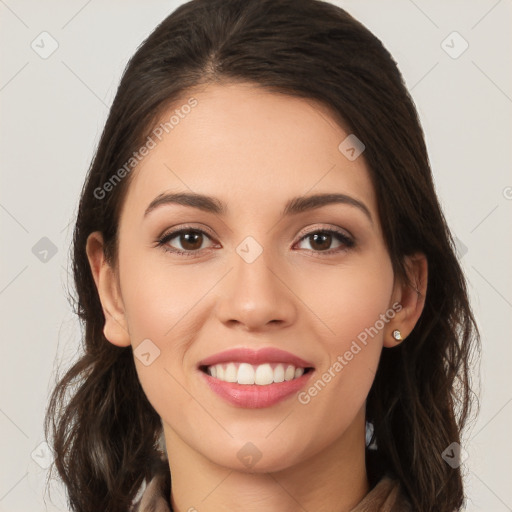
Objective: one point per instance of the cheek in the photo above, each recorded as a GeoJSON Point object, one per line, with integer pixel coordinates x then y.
{"type": "Point", "coordinates": [160, 298]}
{"type": "Point", "coordinates": [348, 299]}
{"type": "Point", "coordinates": [354, 305]}
{"type": "Point", "coordinates": [163, 305]}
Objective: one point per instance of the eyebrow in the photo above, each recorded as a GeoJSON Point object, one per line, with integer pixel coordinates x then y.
{"type": "Point", "coordinates": [294, 206]}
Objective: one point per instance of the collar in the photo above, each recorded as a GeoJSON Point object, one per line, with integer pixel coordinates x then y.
{"type": "Point", "coordinates": [386, 496]}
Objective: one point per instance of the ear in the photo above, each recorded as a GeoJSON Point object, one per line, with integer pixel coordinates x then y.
{"type": "Point", "coordinates": [408, 299]}
{"type": "Point", "coordinates": [115, 328]}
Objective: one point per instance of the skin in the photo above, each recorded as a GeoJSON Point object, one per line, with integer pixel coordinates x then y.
{"type": "Point", "coordinates": [254, 150]}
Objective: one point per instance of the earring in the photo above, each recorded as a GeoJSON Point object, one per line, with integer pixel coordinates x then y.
{"type": "Point", "coordinates": [397, 335]}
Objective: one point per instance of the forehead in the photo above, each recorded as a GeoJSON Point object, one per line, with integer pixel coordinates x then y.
{"type": "Point", "coordinates": [249, 147]}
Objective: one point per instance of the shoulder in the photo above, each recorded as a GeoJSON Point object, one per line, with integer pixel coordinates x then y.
{"type": "Point", "coordinates": [386, 496]}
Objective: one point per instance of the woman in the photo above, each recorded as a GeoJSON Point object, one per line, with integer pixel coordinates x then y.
{"type": "Point", "coordinates": [275, 318]}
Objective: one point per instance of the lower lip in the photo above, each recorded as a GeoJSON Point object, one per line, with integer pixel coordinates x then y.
{"type": "Point", "coordinates": [253, 396]}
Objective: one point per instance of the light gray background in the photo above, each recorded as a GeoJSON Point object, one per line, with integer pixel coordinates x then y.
{"type": "Point", "coordinates": [52, 114]}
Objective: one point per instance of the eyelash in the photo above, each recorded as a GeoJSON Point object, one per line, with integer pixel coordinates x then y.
{"type": "Point", "coordinates": [342, 237]}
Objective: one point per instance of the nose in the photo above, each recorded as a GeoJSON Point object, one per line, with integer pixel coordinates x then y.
{"type": "Point", "coordinates": [255, 296]}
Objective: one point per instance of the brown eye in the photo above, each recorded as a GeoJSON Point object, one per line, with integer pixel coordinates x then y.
{"type": "Point", "coordinates": [191, 240]}
{"type": "Point", "coordinates": [188, 241]}
{"type": "Point", "coordinates": [321, 240]}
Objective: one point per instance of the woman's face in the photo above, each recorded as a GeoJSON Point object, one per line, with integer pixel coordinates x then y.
{"type": "Point", "coordinates": [267, 270]}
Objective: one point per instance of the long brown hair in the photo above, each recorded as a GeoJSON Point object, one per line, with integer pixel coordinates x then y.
{"type": "Point", "coordinates": [103, 429]}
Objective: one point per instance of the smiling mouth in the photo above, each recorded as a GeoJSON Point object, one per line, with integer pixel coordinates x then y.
{"type": "Point", "coordinates": [251, 374]}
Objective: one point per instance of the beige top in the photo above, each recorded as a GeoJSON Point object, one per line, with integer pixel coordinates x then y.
{"type": "Point", "coordinates": [386, 496]}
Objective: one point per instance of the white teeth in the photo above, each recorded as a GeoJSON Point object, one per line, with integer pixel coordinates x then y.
{"type": "Point", "coordinates": [231, 373]}
{"type": "Point", "coordinates": [289, 374]}
{"type": "Point", "coordinates": [264, 375]}
{"type": "Point", "coordinates": [261, 375]}
{"type": "Point", "coordinates": [245, 374]}
{"type": "Point", "coordinates": [279, 373]}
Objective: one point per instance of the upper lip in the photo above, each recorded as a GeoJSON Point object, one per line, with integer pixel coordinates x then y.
{"type": "Point", "coordinates": [256, 357]}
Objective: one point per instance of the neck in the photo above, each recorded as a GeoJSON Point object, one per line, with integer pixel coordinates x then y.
{"type": "Point", "coordinates": [334, 479]}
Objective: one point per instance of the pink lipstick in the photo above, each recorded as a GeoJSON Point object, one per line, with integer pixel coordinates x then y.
{"type": "Point", "coordinates": [255, 379]}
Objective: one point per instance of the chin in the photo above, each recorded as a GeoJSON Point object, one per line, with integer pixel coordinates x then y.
{"type": "Point", "coordinates": [258, 456]}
